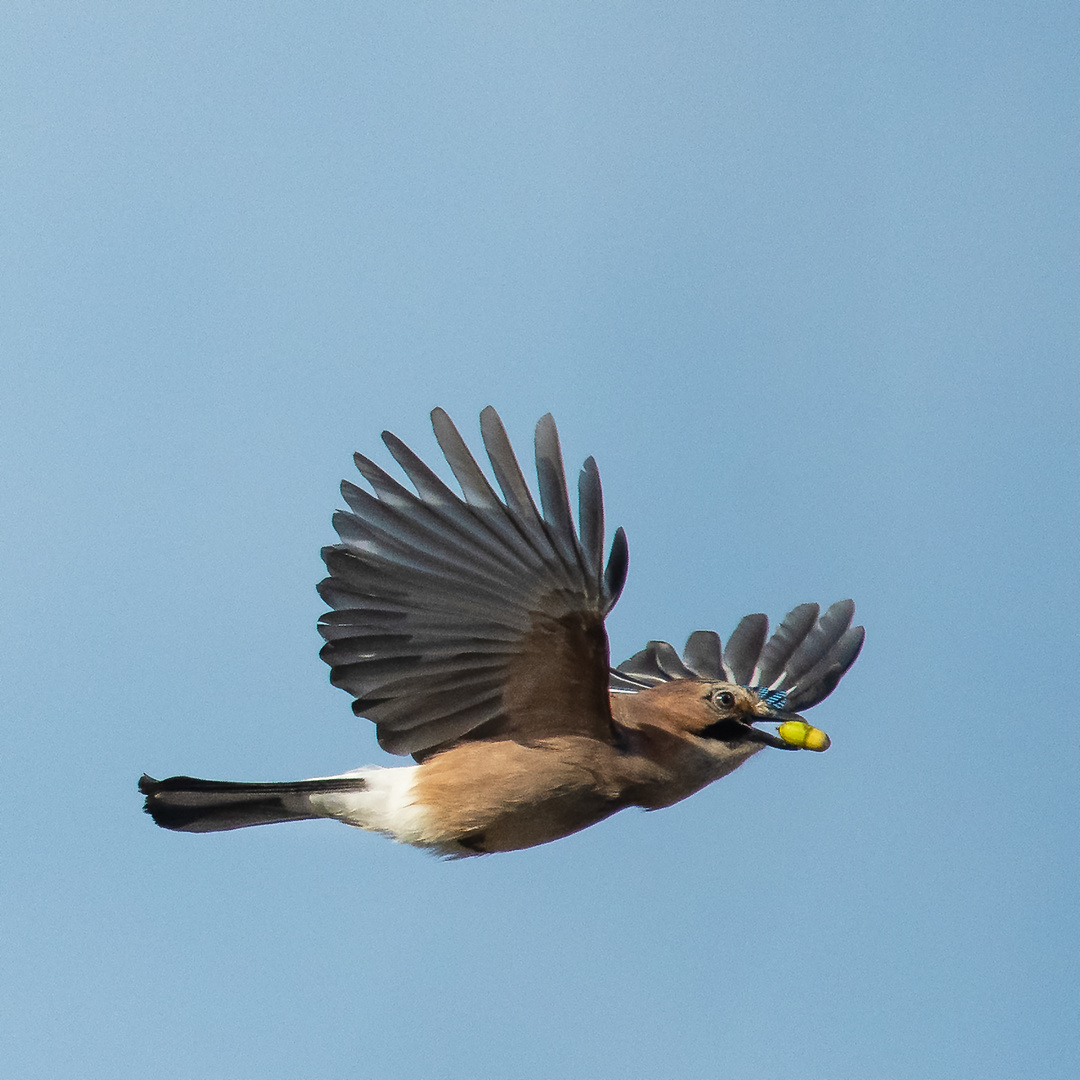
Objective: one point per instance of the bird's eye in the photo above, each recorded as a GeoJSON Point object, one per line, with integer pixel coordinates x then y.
{"type": "Point", "coordinates": [725, 698]}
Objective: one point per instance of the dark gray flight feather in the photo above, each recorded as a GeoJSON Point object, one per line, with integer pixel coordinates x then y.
{"type": "Point", "coordinates": [806, 656]}
{"type": "Point", "coordinates": [703, 655]}
{"type": "Point", "coordinates": [744, 647]}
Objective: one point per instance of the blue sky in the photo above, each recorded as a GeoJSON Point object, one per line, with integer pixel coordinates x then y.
{"type": "Point", "coordinates": [802, 277]}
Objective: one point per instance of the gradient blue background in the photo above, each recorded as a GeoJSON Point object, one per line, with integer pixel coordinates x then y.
{"type": "Point", "coordinates": [802, 277]}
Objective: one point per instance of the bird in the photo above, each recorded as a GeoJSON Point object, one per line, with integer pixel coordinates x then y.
{"type": "Point", "coordinates": [471, 630]}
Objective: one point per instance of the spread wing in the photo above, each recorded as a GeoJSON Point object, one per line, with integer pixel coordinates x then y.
{"type": "Point", "coordinates": [478, 616]}
{"type": "Point", "coordinates": [805, 658]}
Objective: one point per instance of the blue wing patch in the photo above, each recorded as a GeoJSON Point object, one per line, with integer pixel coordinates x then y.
{"type": "Point", "coordinates": [775, 699]}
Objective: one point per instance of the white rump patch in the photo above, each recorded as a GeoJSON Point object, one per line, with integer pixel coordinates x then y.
{"type": "Point", "coordinates": [386, 805]}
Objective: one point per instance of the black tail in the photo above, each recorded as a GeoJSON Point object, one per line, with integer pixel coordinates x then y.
{"type": "Point", "coordinates": [185, 804]}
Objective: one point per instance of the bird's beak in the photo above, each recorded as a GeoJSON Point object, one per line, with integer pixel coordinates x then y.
{"type": "Point", "coordinates": [793, 733]}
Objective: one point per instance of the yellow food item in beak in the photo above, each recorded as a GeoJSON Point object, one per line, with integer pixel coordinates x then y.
{"type": "Point", "coordinates": [799, 733]}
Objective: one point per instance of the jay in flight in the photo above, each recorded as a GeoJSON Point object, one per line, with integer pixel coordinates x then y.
{"type": "Point", "coordinates": [471, 632]}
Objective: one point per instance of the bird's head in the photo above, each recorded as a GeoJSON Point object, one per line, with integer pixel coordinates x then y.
{"type": "Point", "coordinates": [722, 717]}
{"type": "Point", "coordinates": [730, 712]}
{"type": "Point", "coordinates": [719, 694]}
{"type": "Point", "coordinates": [710, 727]}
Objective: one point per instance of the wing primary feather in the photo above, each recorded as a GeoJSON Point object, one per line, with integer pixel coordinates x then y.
{"type": "Point", "coordinates": [439, 614]}
{"type": "Point", "coordinates": [450, 519]}
{"type": "Point", "coordinates": [822, 637]}
{"type": "Point", "coordinates": [519, 501]}
{"type": "Point", "coordinates": [491, 531]}
{"type": "Point", "coordinates": [383, 484]}
{"type": "Point", "coordinates": [372, 519]}
{"type": "Point", "coordinates": [702, 655]}
{"type": "Point", "coordinates": [623, 682]}
{"type": "Point", "coordinates": [474, 484]}
{"type": "Point", "coordinates": [788, 636]}
{"type": "Point", "coordinates": [430, 626]}
{"type": "Point", "coordinates": [383, 674]}
{"type": "Point", "coordinates": [490, 517]}
{"type": "Point", "coordinates": [744, 648]}
{"type": "Point", "coordinates": [644, 665]}
{"type": "Point", "coordinates": [507, 471]}
{"type": "Point", "coordinates": [429, 487]}
{"type": "Point", "coordinates": [351, 650]}
{"type": "Point", "coordinates": [591, 521]}
{"type": "Point", "coordinates": [435, 493]}
{"type": "Point", "coordinates": [551, 479]}
{"type": "Point", "coordinates": [667, 660]}
{"type": "Point", "coordinates": [615, 572]}
{"type": "Point", "coordinates": [394, 568]}
{"type": "Point", "coordinates": [818, 683]}
{"type": "Point", "coordinates": [481, 497]}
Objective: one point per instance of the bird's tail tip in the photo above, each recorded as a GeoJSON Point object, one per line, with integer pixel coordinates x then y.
{"type": "Point", "coordinates": [187, 804]}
